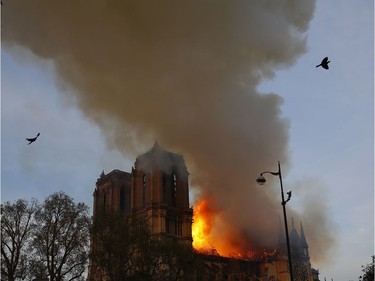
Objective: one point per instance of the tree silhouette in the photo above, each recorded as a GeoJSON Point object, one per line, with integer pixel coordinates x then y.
{"type": "Point", "coordinates": [61, 240]}
{"type": "Point", "coordinates": [114, 245]}
{"type": "Point", "coordinates": [16, 232]}
{"type": "Point", "coordinates": [368, 271]}
{"type": "Point", "coordinates": [123, 248]}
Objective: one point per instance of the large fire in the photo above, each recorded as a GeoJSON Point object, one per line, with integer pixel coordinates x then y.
{"type": "Point", "coordinates": [205, 240]}
{"type": "Point", "coordinates": [202, 222]}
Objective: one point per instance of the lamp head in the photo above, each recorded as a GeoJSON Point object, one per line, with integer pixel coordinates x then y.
{"type": "Point", "coordinates": [261, 180]}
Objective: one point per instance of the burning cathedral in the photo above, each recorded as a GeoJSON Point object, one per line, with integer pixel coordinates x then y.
{"type": "Point", "coordinates": [157, 188]}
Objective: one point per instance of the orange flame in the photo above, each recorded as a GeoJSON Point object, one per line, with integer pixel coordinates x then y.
{"type": "Point", "coordinates": [202, 223]}
{"type": "Point", "coordinates": [204, 238]}
{"type": "Point", "coordinates": [205, 241]}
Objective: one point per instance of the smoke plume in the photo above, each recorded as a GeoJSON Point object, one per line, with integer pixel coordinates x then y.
{"type": "Point", "coordinates": [185, 73]}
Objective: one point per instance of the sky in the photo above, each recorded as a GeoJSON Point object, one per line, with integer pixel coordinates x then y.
{"type": "Point", "coordinates": [321, 124]}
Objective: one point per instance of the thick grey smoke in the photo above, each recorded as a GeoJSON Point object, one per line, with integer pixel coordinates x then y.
{"type": "Point", "coordinates": [184, 73]}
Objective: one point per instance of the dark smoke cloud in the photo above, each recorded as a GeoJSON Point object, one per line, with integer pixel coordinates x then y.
{"type": "Point", "coordinates": [185, 73]}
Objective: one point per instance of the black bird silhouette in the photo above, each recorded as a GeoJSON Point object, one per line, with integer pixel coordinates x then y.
{"type": "Point", "coordinates": [33, 139]}
{"type": "Point", "coordinates": [324, 63]}
{"type": "Point", "coordinates": [287, 200]}
{"type": "Point", "coordinates": [289, 195]}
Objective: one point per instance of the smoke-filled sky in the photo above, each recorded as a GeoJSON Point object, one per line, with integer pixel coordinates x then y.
{"type": "Point", "coordinates": [232, 85]}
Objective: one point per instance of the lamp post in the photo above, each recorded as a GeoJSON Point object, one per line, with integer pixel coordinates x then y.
{"type": "Point", "coordinates": [261, 181]}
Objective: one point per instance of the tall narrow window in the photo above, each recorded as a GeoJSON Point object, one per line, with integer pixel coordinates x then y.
{"type": "Point", "coordinates": [122, 198]}
{"type": "Point", "coordinates": [164, 188]}
{"type": "Point", "coordinates": [104, 203]}
{"type": "Point", "coordinates": [174, 189]}
{"type": "Point", "coordinates": [144, 191]}
{"type": "Point", "coordinates": [167, 225]}
{"type": "Point", "coordinates": [177, 226]}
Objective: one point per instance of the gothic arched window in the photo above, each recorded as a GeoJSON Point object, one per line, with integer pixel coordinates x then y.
{"type": "Point", "coordinates": [178, 227]}
{"type": "Point", "coordinates": [174, 188]}
{"type": "Point", "coordinates": [164, 188]}
{"type": "Point", "coordinates": [122, 198]}
{"type": "Point", "coordinates": [104, 201]}
{"type": "Point", "coordinates": [144, 190]}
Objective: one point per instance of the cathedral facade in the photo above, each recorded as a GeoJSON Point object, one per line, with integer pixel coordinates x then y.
{"type": "Point", "coordinates": [157, 189]}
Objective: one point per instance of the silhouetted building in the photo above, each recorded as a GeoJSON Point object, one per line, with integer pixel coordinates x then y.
{"type": "Point", "coordinates": [300, 255]}
{"type": "Point", "coordinates": [157, 189]}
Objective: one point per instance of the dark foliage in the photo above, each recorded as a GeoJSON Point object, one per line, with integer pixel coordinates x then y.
{"type": "Point", "coordinates": [61, 239]}
{"type": "Point", "coordinates": [368, 271]}
{"type": "Point", "coordinates": [125, 249]}
{"type": "Point", "coordinates": [16, 232]}
{"type": "Point", "coordinates": [48, 240]}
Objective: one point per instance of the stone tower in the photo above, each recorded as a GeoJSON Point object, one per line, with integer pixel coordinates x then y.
{"type": "Point", "coordinates": [277, 267]}
{"type": "Point", "coordinates": [300, 255]}
{"type": "Point", "coordinates": [160, 192]}
{"type": "Point", "coordinates": [156, 189]}
{"type": "Point", "coordinates": [112, 193]}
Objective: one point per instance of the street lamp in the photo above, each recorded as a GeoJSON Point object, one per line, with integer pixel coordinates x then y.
{"type": "Point", "coordinates": [261, 181]}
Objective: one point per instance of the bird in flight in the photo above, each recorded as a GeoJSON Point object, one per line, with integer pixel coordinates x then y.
{"type": "Point", "coordinates": [31, 140]}
{"type": "Point", "coordinates": [324, 63]}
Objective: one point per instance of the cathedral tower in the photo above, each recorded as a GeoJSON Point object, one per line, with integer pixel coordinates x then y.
{"type": "Point", "coordinates": [300, 255]}
{"type": "Point", "coordinates": [160, 193]}
{"type": "Point", "coordinates": [157, 189]}
{"type": "Point", "coordinates": [112, 193]}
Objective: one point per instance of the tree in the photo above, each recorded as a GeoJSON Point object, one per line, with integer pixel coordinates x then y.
{"type": "Point", "coordinates": [125, 249]}
{"type": "Point", "coordinates": [61, 239]}
{"type": "Point", "coordinates": [183, 263]}
{"type": "Point", "coordinates": [115, 240]}
{"type": "Point", "coordinates": [368, 271]}
{"type": "Point", "coordinates": [16, 232]}
{"type": "Point", "coordinates": [153, 259]}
